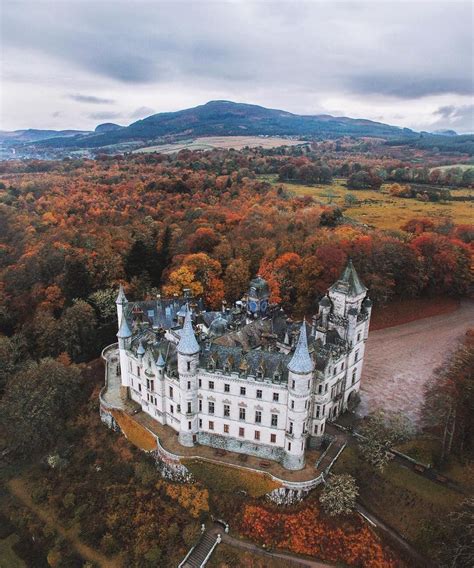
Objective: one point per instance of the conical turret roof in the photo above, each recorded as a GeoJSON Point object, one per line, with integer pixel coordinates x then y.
{"type": "Point", "coordinates": [301, 361]}
{"type": "Point", "coordinates": [160, 362]}
{"type": "Point", "coordinates": [141, 349]}
{"type": "Point", "coordinates": [121, 298]}
{"type": "Point", "coordinates": [124, 330]}
{"type": "Point", "coordinates": [349, 281]}
{"type": "Point", "coordinates": [188, 344]}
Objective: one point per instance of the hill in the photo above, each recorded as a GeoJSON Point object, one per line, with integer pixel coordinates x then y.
{"type": "Point", "coordinates": [33, 135]}
{"type": "Point", "coordinates": [226, 118]}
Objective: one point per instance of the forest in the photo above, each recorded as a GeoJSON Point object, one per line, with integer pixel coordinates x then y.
{"type": "Point", "coordinates": [72, 231]}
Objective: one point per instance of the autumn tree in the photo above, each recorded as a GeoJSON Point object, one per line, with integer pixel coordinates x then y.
{"type": "Point", "coordinates": [236, 279]}
{"type": "Point", "coordinates": [339, 495]}
{"type": "Point", "coordinates": [379, 433]}
{"type": "Point", "coordinates": [36, 404]}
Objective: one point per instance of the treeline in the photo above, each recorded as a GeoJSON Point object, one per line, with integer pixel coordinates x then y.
{"type": "Point", "coordinates": [72, 233]}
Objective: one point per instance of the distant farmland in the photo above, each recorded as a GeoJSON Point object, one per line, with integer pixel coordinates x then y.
{"type": "Point", "coordinates": [210, 142]}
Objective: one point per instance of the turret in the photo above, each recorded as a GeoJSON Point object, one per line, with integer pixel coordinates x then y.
{"type": "Point", "coordinates": [367, 307]}
{"type": "Point", "coordinates": [300, 376]}
{"type": "Point", "coordinates": [348, 292]}
{"type": "Point", "coordinates": [120, 302]}
{"type": "Point", "coordinates": [124, 336]}
{"type": "Point", "coordinates": [352, 314]}
{"type": "Point", "coordinates": [324, 310]}
{"type": "Point", "coordinates": [258, 296]}
{"type": "Point", "coordinates": [188, 357]}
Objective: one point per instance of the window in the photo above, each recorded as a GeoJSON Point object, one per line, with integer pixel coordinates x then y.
{"type": "Point", "coordinates": [257, 435]}
{"type": "Point", "coordinates": [356, 357]}
{"type": "Point", "coordinates": [189, 365]}
{"type": "Point", "coordinates": [292, 403]}
{"type": "Point", "coordinates": [290, 430]}
{"type": "Point", "coordinates": [148, 383]}
{"type": "Point", "coordinates": [308, 385]}
{"type": "Point", "coordinates": [211, 385]}
{"type": "Point", "coordinates": [189, 385]}
{"type": "Point", "coordinates": [354, 374]}
{"type": "Point", "coordinates": [320, 389]}
{"type": "Point", "coordinates": [259, 393]}
{"type": "Point", "coordinates": [241, 413]}
{"type": "Point", "coordinates": [326, 388]}
{"type": "Point", "coordinates": [139, 387]}
{"type": "Point", "coordinates": [200, 405]}
{"type": "Point", "coordinates": [276, 397]}
{"type": "Point", "coordinates": [226, 428]}
{"type": "Point", "coordinates": [289, 446]}
{"type": "Point", "coordinates": [316, 428]}
{"type": "Point", "coordinates": [293, 384]}
{"type": "Point", "coordinates": [273, 438]}
{"type": "Point", "coordinates": [342, 366]}
{"type": "Point", "coordinates": [258, 417]}
{"type": "Point", "coordinates": [226, 387]}
{"type": "Point", "coordinates": [226, 410]}
{"type": "Point", "coordinates": [211, 408]}
{"type": "Point", "coordinates": [200, 383]}
{"type": "Point", "coordinates": [171, 392]}
{"type": "Point", "coordinates": [358, 336]}
{"type": "Point", "coordinates": [241, 432]}
{"type": "Point", "coordinates": [138, 370]}
{"type": "Point", "coordinates": [334, 371]}
{"type": "Point", "coordinates": [200, 423]}
{"type": "Point", "coordinates": [242, 391]}
{"type": "Point", "coordinates": [318, 411]}
{"type": "Point", "coordinates": [211, 425]}
{"type": "Point", "coordinates": [130, 366]}
{"type": "Point", "coordinates": [171, 409]}
{"type": "Point", "coordinates": [152, 385]}
{"type": "Point", "coordinates": [274, 419]}
{"type": "Point", "coordinates": [189, 408]}
{"type": "Point", "coordinates": [324, 410]}
{"type": "Point", "coordinates": [189, 425]}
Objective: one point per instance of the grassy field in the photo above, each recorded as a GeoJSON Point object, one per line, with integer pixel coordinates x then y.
{"type": "Point", "coordinates": [403, 499]}
{"type": "Point", "coordinates": [379, 208]}
{"type": "Point", "coordinates": [8, 558]}
{"type": "Point", "coordinates": [210, 142]}
{"type": "Point", "coordinates": [463, 167]}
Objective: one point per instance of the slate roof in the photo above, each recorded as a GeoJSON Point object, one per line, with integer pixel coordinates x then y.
{"type": "Point", "coordinates": [158, 313]}
{"type": "Point", "coordinates": [301, 361]}
{"type": "Point", "coordinates": [124, 330]}
{"type": "Point", "coordinates": [349, 282]}
{"type": "Point", "coordinates": [188, 344]}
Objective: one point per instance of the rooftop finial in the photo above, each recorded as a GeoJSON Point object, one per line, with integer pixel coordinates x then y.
{"type": "Point", "coordinates": [301, 361]}
{"type": "Point", "coordinates": [188, 344]}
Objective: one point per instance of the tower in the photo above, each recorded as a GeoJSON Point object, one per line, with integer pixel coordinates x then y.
{"type": "Point", "coordinates": [258, 296]}
{"type": "Point", "coordinates": [300, 375]}
{"type": "Point", "coordinates": [124, 336]}
{"type": "Point", "coordinates": [188, 358]}
{"type": "Point", "coordinates": [347, 292]}
{"type": "Point", "coordinates": [120, 302]}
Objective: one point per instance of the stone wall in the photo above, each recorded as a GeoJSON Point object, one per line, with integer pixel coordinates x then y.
{"type": "Point", "coordinates": [241, 446]}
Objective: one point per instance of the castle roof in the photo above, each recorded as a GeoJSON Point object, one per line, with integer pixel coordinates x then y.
{"type": "Point", "coordinates": [121, 298]}
{"type": "Point", "coordinates": [259, 288]}
{"type": "Point", "coordinates": [301, 361]}
{"type": "Point", "coordinates": [349, 282]}
{"type": "Point", "coordinates": [124, 331]}
{"type": "Point", "coordinates": [188, 344]}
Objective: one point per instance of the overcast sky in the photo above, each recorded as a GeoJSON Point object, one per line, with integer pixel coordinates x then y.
{"type": "Point", "coordinates": [77, 63]}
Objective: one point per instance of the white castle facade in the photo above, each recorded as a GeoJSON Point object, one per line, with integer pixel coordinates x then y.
{"type": "Point", "coordinates": [246, 379]}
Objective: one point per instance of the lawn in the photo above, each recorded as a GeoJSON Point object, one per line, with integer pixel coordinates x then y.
{"type": "Point", "coordinates": [403, 499]}
{"type": "Point", "coordinates": [379, 208]}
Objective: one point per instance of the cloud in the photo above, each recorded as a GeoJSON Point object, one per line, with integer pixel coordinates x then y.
{"type": "Point", "coordinates": [104, 115]}
{"type": "Point", "coordinates": [297, 56]}
{"type": "Point", "coordinates": [142, 112]}
{"type": "Point", "coordinates": [91, 99]}
{"type": "Point", "coordinates": [455, 117]}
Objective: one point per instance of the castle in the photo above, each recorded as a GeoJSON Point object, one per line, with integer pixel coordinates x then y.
{"type": "Point", "coordinates": [246, 379]}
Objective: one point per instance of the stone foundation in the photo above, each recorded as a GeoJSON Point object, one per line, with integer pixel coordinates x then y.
{"type": "Point", "coordinates": [293, 462]}
{"type": "Point", "coordinates": [241, 446]}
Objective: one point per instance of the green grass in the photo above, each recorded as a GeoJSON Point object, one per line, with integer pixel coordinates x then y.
{"type": "Point", "coordinates": [8, 557]}
{"type": "Point", "coordinates": [403, 499]}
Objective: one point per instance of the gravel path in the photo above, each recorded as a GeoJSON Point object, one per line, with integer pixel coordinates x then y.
{"type": "Point", "coordinates": [400, 360]}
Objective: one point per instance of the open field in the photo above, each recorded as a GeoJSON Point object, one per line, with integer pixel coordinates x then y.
{"type": "Point", "coordinates": [462, 167]}
{"type": "Point", "coordinates": [210, 142]}
{"type": "Point", "coordinates": [379, 208]}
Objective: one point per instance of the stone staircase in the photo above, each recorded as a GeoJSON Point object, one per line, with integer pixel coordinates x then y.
{"type": "Point", "coordinates": [198, 556]}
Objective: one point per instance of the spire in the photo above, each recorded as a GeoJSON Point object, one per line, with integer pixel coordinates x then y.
{"type": "Point", "coordinates": [188, 344]}
{"type": "Point", "coordinates": [301, 361]}
{"type": "Point", "coordinates": [160, 362]}
{"type": "Point", "coordinates": [124, 331]}
{"type": "Point", "coordinates": [121, 298]}
{"type": "Point", "coordinates": [349, 281]}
